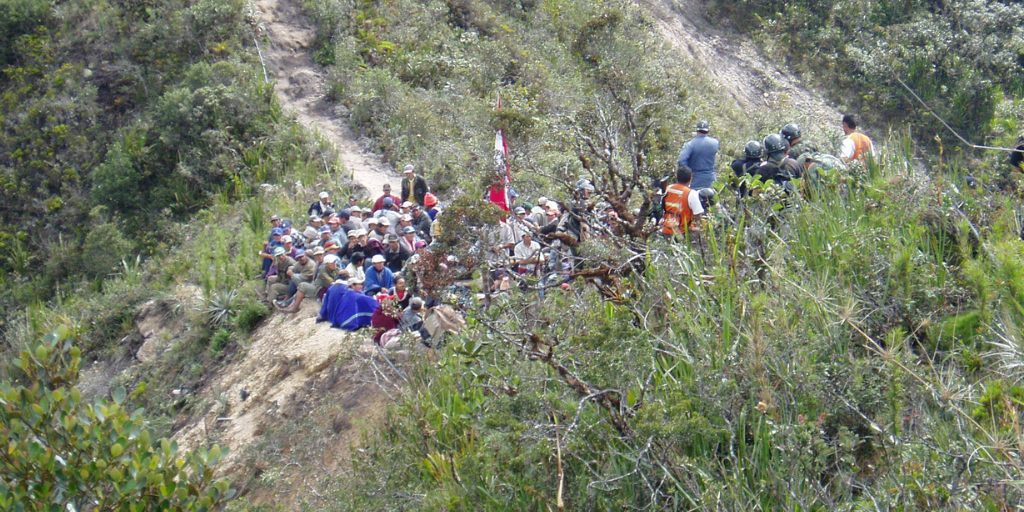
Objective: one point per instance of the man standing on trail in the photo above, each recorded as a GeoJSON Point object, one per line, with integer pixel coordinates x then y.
{"type": "Point", "coordinates": [856, 145]}
{"type": "Point", "coordinates": [682, 205]}
{"type": "Point", "coordinates": [698, 155]}
{"type": "Point", "coordinates": [414, 188]}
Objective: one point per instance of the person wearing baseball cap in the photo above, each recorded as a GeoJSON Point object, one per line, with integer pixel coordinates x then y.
{"type": "Point", "coordinates": [378, 276]}
{"type": "Point", "coordinates": [395, 254]}
{"type": "Point", "coordinates": [277, 277]}
{"type": "Point", "coordinates": [379, 203]}
{"type": "Point", "coordinates": [414, 188]}
{"type": "Point", "coordinates": [323, 207]}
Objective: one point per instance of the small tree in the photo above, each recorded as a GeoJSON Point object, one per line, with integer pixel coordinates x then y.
{"type": "Point", "coordinates": [60, 453]}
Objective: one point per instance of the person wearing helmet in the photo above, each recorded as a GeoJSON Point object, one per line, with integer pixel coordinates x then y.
{"type": "Point", "coordinates": [856, 145]}
{"type": "Point", "coordinates": [430, 203]}
{"type": "Point", "coordinates": [778, 167]}
{"type": "Point", "coordinates": [753, 157]}
{"type": "Point", "coordinates": [698, 155]}
{"type": "Point", "coordinates": [797, 144]}
{"type": "Point", "coordinates": [682, 206]}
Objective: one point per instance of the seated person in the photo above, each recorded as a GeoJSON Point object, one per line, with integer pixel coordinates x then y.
{"type": "Point", "coordinates": [378, 276]}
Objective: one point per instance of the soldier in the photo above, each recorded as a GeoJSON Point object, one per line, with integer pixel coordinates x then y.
{"type": "Point", "coordinates": [797, 144]}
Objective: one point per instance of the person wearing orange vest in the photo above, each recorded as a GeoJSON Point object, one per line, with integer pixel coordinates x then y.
{"type": "Point", "coordinates": [681, 205]}
{"type": "Point", "coordinates": [856, 145]}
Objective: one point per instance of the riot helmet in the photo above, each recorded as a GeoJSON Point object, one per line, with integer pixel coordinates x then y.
{"type": "Point", "coordinates": [791, 132]}
{"type": "Point", "coordinates": [753, 150]}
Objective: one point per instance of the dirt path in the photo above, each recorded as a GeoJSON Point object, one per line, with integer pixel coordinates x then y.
{"type": "Point", "coordinates": [301, 87]}
{"type": "Point", "coordinates": [735, 62]}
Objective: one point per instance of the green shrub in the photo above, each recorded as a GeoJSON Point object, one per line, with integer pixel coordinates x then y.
{"type": "Point", "coordinates": [103, 250]}
{"type": "Point", "coordinates": [250, 314]}
{"type": "Point", "coordinates": [67, 454]}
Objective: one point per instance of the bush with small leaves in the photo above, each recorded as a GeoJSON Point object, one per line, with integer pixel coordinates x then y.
{"type": "Point", "coordinates": [62, 453]}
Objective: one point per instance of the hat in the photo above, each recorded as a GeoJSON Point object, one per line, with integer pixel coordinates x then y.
{"type": "Point", "coordinates": [287, 239]}
{"type": "Point", "coordinates": [330, 245]}
{"type": "Point", "coordinates": [324, 195]}
{"type": "Point", "coordinates": [276, 232]}
{"type": "Point", "coordinates": [353, 234]}
{"type": "Point", "coordinates": [388, 202]}
{"type": "Point", "coordinates": [300, 253]}
{"type": "Point", "coordinates": [409, 168]}
{"type": "Point", "coordinates": [429, 200]}
{"type": "Point", "coordinates": [324, 229]}
{"type": "Point", "coordinates": [318, 250]}
{"type": "Point", "coordinates": [275, 217]}
{"type": "Point", "coordinates": [537, 209]}
{"type": "Point", "coordinates": [315, 218]}
{"type": "Point", "coordinates": [420, 243]}
{"type": "Point", "coordinates": [392, 237]}
{"type": "Point", "coordinates": [384, 221]}
{"type": "Point", "coordinates": [344, 214]}
{"type": "Point", "coordinates": [286, 225]}
{"type": "Point", "coordinates": [377, 258]}
{"type": "Point", "coordinates": [406, 217]}
{"type": "Point", "coordinates": [542, 200]}
{"type": "Point", "coordinates": [387, 186]}
{"type": "Point", "coordinates": [407, 204]}
{"type": "Point", "coordinates": [352, 281]}
{"type": "Point", "coordinates": [416, 207]}
{"type": "Point", "coordinates": [408, 229]}
{"type": "Point", "coordinates": [334, 220]}
{"type": "Point", "coordinates": [373, 220]}
{"type": "Point", "coordinates": [520, 210]}
{"type": "Point", "coordinates": [278, 251]}
{"type": "Point", "coordinates": [356, 209]}
{"type": "Point", "coordinates": [330, 258]}
{"type": "Point", "coordinates": [360, 232]}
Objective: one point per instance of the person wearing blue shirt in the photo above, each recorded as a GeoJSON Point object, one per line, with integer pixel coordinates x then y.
{"type": "Point", "coordinates": [378, 276]}
{"type": "Point", "coordinates": [699, 156]}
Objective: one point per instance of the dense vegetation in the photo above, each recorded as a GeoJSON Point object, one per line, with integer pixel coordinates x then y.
{"type": "Point", "coordinates": [963, 57]}
{"type": "Point", "coordinates": [861, 351]}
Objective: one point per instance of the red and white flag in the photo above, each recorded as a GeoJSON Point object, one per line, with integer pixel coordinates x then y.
{"type": "Point", "coordinates": [502, 175]}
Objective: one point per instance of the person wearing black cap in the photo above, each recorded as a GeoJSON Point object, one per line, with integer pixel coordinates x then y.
{"type": "Point", "coordinates": [379, 203]}
{"type": "Point", "coordinates": [699, 155]}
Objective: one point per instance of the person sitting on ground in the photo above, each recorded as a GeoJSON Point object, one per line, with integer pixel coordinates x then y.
{"type": "Point", "coordinates": [373, 247]}
{"type": "Point", "coordinates": [323, 207]}
{"type": "Point", "coordinates": [375, 231]}
{"type": "Point", "coordinates": [323, 237]}
{"type": "Point", "coordinates": [412, 320]}
{"type": "Point", "coordinates": [351, 247]}
{"type": "Point", "coordinates": [303, 271]}
{"type": "Point", "coordinates": [325, 277]}
{"type": "Point", "coordinates": [312, 231]}
{"type": "Point", "coordinates": [356, 265]}
{"type": "Point", "coordinates": [346, 221]}
{"type": "Point", "coordinates": [267, 253]}
{"type": "Point", "coordinates": [422, 222]}
{"type": "Point", "coordinates": [395, 255]}
{"type": "Point", "coordinates": [378, 276]}
{"type": "Point", "coordinates": [289, 246]}
{"type": "Point", "coordinates": [277, 284]}
{"type": "Point", "coordinates": [379, 203]}
{"type": "Point", "coordinates": [386, 317]}
{"type": "Point", "coordinates": [409, 239]}
{"type": "Point", "coordinates": [798, 145]}
{"type": "Point", "coordinates": [430, 203]}
{"type": "Point", "coordinates": [682, 206]}
{"type": "Point", "coordinates": [389, 212]}
{"type": "Point", "coordinates": [414, 188]}
{"type": "Point", "coordinates": [815, 167]}
{"type": "Point", "coordinates": [402, 294]}
{"type": "Point", "coordinates": [352, 310]}
{"type": "Point", "coordinates": [856, 145]}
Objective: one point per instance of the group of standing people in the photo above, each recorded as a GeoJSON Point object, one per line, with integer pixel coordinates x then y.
{"type": "Point", "coordinates": [778, 158]}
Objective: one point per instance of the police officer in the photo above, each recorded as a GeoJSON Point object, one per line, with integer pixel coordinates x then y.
{"type": "Point", "coordinates": [699, 155]}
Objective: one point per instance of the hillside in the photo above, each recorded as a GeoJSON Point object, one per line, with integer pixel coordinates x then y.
{"type": "Point", "coordinates": [856, 347]}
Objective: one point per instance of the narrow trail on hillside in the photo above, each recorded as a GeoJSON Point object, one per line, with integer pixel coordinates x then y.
{"type": "Point", "coordinates": [301, 89]}
{"type": "Point", "coordinates": [734, 62]}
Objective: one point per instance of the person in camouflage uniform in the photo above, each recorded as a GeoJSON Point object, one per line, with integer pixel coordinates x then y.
{"type": "Point", "coordinates": [819, 168]}
{"type": "Point", "coordinates": [797, 144]}
{"type": "Point", "coordinates": [328, 273]}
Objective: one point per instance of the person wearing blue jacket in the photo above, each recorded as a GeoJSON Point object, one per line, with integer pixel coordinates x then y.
{"type": "Point", "coordinates": [378, 276]}
{"type": "Point", "coordinates": [699, 155]}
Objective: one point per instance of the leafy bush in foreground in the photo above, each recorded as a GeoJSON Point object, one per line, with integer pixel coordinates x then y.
{"type": "Point", "coordinates": [61, 453]}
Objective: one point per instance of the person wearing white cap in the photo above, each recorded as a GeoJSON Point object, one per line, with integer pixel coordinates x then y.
{"type": "Point", "coordinates": [312, 231]}
{"type": "Point", "coordinates": [414, 188]}
{"type": "Point", "coordinates": [323, 207]}
{"type": "Point", "coordinates": [378, 276]}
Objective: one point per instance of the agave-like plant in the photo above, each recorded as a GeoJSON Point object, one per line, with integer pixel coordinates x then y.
{"type": "Point", "coordinates": [220, 307]}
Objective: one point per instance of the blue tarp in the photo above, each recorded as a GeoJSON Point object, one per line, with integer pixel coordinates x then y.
{"type": "Point", "coordinates": [347, 309]}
